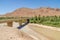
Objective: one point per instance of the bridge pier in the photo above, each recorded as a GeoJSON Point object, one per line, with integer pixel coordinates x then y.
{"type": "Point", "coordinates": [20, 22]}
{"type": "Point", "coordinates": [10, 24]}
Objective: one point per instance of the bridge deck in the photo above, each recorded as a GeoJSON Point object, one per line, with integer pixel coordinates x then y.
{"type": "Point", "coordinates": [12, 19]}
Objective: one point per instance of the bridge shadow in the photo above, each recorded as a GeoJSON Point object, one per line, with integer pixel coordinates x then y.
{"type": "Point", "coordinates": [21, 26]}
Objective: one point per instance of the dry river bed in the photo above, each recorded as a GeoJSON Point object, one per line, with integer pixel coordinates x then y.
{"type": "Point", "coordinates": [29, 32]}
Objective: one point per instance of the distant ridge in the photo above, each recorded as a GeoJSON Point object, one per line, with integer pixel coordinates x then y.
{"type": "Point", "coordinates": [27, 12]}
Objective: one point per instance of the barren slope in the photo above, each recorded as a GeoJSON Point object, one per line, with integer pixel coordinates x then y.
{"type": "Point", "coordinates": [27, 12]}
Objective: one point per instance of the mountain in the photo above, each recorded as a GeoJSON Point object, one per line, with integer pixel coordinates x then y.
{"type": "Point", "coordinates": [27, 12]}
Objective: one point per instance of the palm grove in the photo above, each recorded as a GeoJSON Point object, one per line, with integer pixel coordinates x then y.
{"type": "Point", "coordinates": [46, 20]}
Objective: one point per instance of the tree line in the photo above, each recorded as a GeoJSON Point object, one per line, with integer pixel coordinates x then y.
{"type": "Point", "coordinates": [46, 20]}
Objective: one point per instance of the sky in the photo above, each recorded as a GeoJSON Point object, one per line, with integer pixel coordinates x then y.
{"type": "Point", "coordinates": [7, 6]}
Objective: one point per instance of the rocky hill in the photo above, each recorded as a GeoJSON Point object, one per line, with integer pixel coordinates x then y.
{"type": "Point", "coordinates": [27, 12]}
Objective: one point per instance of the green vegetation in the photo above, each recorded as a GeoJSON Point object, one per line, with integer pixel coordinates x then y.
{"type": "Point", "coordinates": [46, 20]}
{"type": "Point", "coordinates": [2, 18]}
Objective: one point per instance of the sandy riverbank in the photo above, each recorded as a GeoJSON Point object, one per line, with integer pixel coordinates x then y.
{"type": "Point", "coordinates": [11, 33]}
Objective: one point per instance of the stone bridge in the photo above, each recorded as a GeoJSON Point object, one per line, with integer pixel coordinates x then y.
{"type": "Point", "coordinates": [10, 20]}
